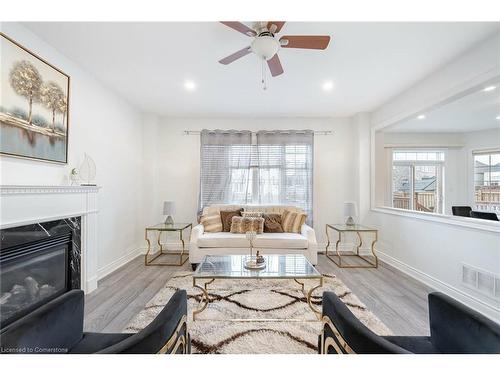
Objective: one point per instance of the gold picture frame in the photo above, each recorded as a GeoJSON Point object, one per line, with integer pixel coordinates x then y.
{"type": "Point", "coordinates": [34, 105]}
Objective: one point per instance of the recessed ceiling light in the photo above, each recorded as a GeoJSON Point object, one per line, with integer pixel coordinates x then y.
{"type": "Point", "coordinates": [327, 86]}
{"type": "Point", "coordinates": [489, 88]}
{"type": "Point", "coordinates": [421, 117]}
{"type": "Point", "coordinates": [498, 117]}
{"type": "Point", "coordinates": [190, 85]}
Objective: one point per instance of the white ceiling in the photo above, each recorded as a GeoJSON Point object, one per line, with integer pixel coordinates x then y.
{"type": "Point", "coordinates": [473, 112]}
{"type": "Point", "coordinates": [148, 63]}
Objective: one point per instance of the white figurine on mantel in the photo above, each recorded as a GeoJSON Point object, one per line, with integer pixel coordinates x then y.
{"type": "Point", "coordinates": [73, 176]}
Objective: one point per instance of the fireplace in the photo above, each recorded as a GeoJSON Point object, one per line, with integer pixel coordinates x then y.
{"type": "Point", "coordinates": [38, 262]}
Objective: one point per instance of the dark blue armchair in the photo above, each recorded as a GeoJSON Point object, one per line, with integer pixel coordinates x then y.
{"type": "Point", "coordinates": [57, 327]}
{"type": "Point", "coordinates": [455, 329]}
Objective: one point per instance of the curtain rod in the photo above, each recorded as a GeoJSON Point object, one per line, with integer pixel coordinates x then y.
{"type": "Point", "coordinates": [316, 132]}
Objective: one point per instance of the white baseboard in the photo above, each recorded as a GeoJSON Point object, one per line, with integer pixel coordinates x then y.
{"type": "Point", "coordinates": [90, 285]}
{"type": "Point", "coordinates": [473, 302]}
{"type": "Point", "coordinates": [117, 263]}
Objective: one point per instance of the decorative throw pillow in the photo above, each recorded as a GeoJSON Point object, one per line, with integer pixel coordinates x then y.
{"type": "Point", "coordinates": [211, 223]}
{"type": "Point", "coordinates": [226, 217]}
{"type": "Point", "coordinates": [247, 224]}
{"type": "Point", "coordinates": [292, 221]}
{"type": "Point", "coordinates": [251, 214]}
{"type": "Point", "coordinates": [272, 223]}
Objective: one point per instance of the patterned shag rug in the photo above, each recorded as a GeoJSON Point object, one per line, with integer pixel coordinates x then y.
{"type": "Point", "coordinates": [214, 332]}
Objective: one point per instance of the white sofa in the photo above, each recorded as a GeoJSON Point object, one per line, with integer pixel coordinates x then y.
{"type": "Point", "coordinates": [222, 243]}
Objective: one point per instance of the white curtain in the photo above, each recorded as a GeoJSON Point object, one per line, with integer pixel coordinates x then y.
{"type": "Point", "coordinates": [285, 168]}
{"type": "Point", "coordinates": [225, 166]}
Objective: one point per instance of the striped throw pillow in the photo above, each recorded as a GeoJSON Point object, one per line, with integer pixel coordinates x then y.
{"type": "Point", "coordinates": [211, 223]}
{"type": "Point", "coordinates": [292, 221]}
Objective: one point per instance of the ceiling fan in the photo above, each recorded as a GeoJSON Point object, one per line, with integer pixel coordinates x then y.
{"type": "Point", "coordinates": [266, 44]}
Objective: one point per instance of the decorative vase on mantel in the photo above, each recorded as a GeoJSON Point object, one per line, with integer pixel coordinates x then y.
{"type": "Point", "coordinates": [87, 171]}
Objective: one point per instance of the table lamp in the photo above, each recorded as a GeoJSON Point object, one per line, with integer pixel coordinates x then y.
{"type": "Point", "coordinates": [350, 210]}
{"type": "Point", "coordinates": [169, 210]}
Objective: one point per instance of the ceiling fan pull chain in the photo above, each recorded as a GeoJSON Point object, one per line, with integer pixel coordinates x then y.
{"type": "Point", "coordinates": [264, 80]}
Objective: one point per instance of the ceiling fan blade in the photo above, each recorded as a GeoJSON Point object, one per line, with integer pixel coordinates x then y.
{"type": "Point", "coordinates": [275, 26]}
{"type": "Point", "coordinates": [275, 67]}
{"type": "Point", "coordinates": [235, 56]}
{"type": "Point", "coordinates": [238, 26]}
{"type": "Point", "coordinates": [305, 41]}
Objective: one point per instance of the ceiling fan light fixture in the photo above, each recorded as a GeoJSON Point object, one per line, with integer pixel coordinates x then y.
{"type": "Point", "coordinates": [265, 46]}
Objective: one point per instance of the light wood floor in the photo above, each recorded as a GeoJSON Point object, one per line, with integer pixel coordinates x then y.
{"type": "Point", "coordinates": [398, 300]}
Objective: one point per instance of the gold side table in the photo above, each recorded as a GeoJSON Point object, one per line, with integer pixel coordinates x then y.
{"type": "Point", "coordinates": [160, 228]}
{"type": "Point", "coordinates": [358, 229]}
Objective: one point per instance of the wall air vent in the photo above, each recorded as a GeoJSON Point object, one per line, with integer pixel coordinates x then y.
{"type": "Point", "coordinates": [484, 282]}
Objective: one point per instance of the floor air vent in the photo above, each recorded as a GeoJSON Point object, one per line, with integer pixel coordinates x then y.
{"type": "Point", "coordinates": [482, 281]}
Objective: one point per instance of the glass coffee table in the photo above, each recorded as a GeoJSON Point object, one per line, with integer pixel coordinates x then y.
{"type": "Point", "coordinates": [294, 267]}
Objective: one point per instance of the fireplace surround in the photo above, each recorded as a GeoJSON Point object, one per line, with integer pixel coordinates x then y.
{"type": "Point", "coordinates": [24, 205]}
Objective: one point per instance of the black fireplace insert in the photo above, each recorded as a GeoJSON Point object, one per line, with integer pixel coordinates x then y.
{"type": "Point", "coordinates": [38, 262]}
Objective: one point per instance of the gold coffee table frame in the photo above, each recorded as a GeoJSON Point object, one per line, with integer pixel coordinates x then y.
{"type": "Point", "coordinates": [358, 229]}
{"type": "Point", "coordinates": [160, 228]}
{"type": "Point", "coordinates": [205, 298]}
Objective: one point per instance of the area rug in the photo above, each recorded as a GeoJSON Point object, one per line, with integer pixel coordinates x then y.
{"type": "Point", "coordinates": [214, 332]}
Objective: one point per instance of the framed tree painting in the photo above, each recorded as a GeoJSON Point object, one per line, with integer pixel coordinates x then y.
{"type": "Point", "coordinates": [34, 105]}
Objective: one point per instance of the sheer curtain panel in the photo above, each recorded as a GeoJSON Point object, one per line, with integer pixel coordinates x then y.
{"type": "Point", "coordinates": [225, 166]}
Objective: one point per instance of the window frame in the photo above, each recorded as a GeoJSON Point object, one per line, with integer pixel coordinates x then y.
{"type": "Point", "coordinates": [411, 164]}
{"type": "Point", "coordinates": [474, 153]}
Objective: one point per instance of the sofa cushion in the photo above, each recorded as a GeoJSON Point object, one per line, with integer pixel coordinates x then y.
{"type": "Point", "coordinates": [222, 239]}
{"type": "Point", "coordinates": [264, 240]}
{"type": "Point", "coordinates": [281, 241]}
{"type": "Point", "coordinates": [227, 217]}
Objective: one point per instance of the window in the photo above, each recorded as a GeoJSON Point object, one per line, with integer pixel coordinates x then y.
{"type": "Point", "coordinates": [269, 167]}
{"type": "Point", "coordinates": [417, 180]}
{"type": "Point", "coordinates": [487, 180]}
{"type": "Point", "coordinates": [284, 175]}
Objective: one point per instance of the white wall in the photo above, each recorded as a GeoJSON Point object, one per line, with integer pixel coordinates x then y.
{"type": "Point", "coordinates": [178, 162]}
{"type": "Point", "coordinates": [107, 128]}
{"type": "Point", "coordinates": [429, 250]}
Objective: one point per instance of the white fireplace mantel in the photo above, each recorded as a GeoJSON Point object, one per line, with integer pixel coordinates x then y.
{"type": "Point", "coordinates": [28, 204]}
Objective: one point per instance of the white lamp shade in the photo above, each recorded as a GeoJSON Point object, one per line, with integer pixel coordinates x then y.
{"type": "Point", "coordinates": [350, 209]}
{"type": "Point", "coordinates": [168, 208]}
